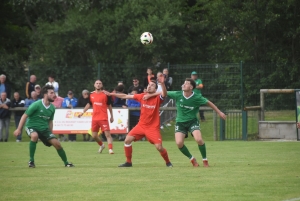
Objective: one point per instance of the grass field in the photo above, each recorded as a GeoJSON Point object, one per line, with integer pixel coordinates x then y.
{"type": "Point", "coordinates": [238, 171]}
{"type": "Point", "coordinates": [251, 170]}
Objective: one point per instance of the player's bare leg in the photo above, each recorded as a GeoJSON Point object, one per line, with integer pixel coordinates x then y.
{"type": "Point", "coordinates": [98, 140]}
{"type": "Point", "coordinates": [109, 141]}
{"type": "Point", "coordinates": [32, 147]}
{"type": "Point", "coordinates": [61, 152]}
{"type": "Point", "coordinates": [128, 151]}
{"type": "Point", "coordinates": [179, 139]}
{"type": "Point", "coordinates": [164, 154]}
{"type": "Point", "coordinates": [201, 145]}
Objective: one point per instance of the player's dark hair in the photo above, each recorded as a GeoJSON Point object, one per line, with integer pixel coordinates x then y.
{"type": "Point", "coordinates": [119, 88]}
{"type": "Point", "coordinates": [52, 76]}
{"type": "Point", "coordinates": [135, 89]}
{"type": "Point", "coordinates": [46, 88]}
{"type": "Point", "coordinates": [192, 82]}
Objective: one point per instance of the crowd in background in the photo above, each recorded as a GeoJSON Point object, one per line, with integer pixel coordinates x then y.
{"type": "Point", "coordinates": [33, 93]}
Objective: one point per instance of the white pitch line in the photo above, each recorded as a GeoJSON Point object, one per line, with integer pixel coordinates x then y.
{"type": "Point", "coordinates": [293, 199]}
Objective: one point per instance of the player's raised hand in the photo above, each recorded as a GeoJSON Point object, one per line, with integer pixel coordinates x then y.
{"type": "Point", "coordinates": [160, 78]}
{"type": "Point", "coordinates": [17, 132]}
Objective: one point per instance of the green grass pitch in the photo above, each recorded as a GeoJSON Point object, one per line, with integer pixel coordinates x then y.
{"type": "Point", "coordinates": [238, 171]}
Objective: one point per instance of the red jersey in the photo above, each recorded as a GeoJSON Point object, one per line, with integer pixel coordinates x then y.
{"type": "Point", "coordinates": [100, 101]}
{"type": "Point", "coordinates": [149, 110]}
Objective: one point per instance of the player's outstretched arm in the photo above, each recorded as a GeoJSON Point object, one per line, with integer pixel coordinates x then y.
{"type": "Point", "coordinates": [21, 124]}
{"type": "Point", "coordinates": [215, 108]}
{"type": "Point", "coordinates": [147, 96]}
{"type": "Point", "coordinates": [87, 106]}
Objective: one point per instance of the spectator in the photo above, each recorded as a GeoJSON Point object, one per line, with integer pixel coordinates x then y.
{"type": "Point", "coordinates": [4, 86]}
{"type": "Point", "coordinates": [37, 89]}
{"type": "Point", "coordinates": [118, 102]}
{"type": "Point", "coordinates": [168, 79]}
{"type": "Point", "coordinates": [70, 102]}
{"type": "Point", "coordinates": [18, 102]}
{"type": "Point", "coordinates": [58, 104]}
{"type": "Point", "coordinates": [30, 86]}
{"type": "Point", "coordinates": [197, 90]}
{"type": "Point", "coordinates": [58, 101]}
{"type": "Point", "coordinates": [148, 77]}
{"type": "Point", "coordinates": [134, 115]}
{"type": "Point", "coordinates": [82, 101]}
{"type": "Point", "coordinates": [29, 101]}
{"type": "Point", "coordinates": [53, 83]}
{"type": "Point", "coordinates": [4, 116]}
{"type": "Point", "coordinates": [136, 84]}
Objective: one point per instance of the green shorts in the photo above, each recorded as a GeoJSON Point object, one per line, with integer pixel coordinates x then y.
{"type": "Point", "coordinates": [188, 126]}
{"type": "Point", "coordinates": [44, 135]}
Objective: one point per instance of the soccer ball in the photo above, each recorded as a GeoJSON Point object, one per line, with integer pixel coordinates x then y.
{"type": "Point", "coordinates": [146, 38]}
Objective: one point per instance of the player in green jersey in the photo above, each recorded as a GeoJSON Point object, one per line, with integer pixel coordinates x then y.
{"type": "Point", "coordinates": [187, 105]}
{"type": "Point", "coordinates": [39, 125]}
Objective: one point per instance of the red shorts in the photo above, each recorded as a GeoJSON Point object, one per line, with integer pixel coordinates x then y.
{"type": "Point", "coordinates": [152, 134]}
{"type": "Point", "coordinates": [96, 124]}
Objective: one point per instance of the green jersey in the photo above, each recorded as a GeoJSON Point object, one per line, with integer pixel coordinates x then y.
{"type": "Point", "coordinates": [198, 82]}
{"type": "Point", "coordinates": [187, 107]}
{"type": "Point", "coordinates": [39, 115]}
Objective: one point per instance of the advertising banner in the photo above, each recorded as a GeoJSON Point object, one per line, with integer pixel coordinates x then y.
{"type": "Point", "coordinates": [66, 121]}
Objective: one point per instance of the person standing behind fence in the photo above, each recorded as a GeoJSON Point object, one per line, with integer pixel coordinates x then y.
{"type": "Point", "coordinates": [4, 86]}
{"type": "Point", "coordinates": [100, 102]}
{"type": "Point", "coordinates": [70, 102]}
{"type": "Point", "coordinates": [149, 76]}
{"type": "Point", "coordinates": [17, 101]}
{"type": "Point", "coordinates": [168, 79]}
{"type": "Point", "coordinates": [30, 86]}
{"type": "Point", "coordinates": [5, 104]}
{"type": "Point", "coordinates": [136, 84]}
{"type": "Point", "coordinates": [82, 101]}
{"type": "Point", "coordinates": [32, 99]}
{"type": "Point", "coordinates": [197, 90]}
{"type": "Point", "coordinates": [53, 83]}
{"type": "Point", "coordinates": [134, 115]}
{"type": "Point", "coordinates": [37, 89]}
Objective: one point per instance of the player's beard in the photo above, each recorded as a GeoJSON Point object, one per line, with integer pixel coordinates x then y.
{"type": "Point", "coordinates": [50, 100]}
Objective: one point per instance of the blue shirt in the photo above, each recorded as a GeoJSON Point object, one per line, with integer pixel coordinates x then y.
{"type": "Point", "coordinates": [29, 102]}
{"type": "Point", "coordinates": [2, 88]}
{"type": "Point", "coordinates": [134, 103]}
{"type": "Point", "coordinates": [67, 101]}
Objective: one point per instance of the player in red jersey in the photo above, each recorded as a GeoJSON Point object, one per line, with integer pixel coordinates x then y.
{"type": "Point", "coordinates": [100, 102]}
{"type": "Point", "coordinates": [149, 123]}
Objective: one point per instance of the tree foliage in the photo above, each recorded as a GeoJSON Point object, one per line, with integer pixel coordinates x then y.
{"type": "Point", "coordinates": [69, 36]}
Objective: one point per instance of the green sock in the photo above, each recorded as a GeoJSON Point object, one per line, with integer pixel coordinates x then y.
{"type": "Point", "coordinates": [185, 151]}
{"type": "Point", "coordinates": [202, 149]}
{"type": "Point", "coordinates": [61, 152]}
{"type": "Point", "coordinates": [32, 148]}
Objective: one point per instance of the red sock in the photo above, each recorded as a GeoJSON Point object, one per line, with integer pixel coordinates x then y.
{"type": "Point", "coordinates": [128, 152]}
{"type": "Point", "coordinates": [109, 146]}
{"type": "Point", "coordinates": [165, 156]}
{"type": "Point", "coordinates": [100, 143]}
